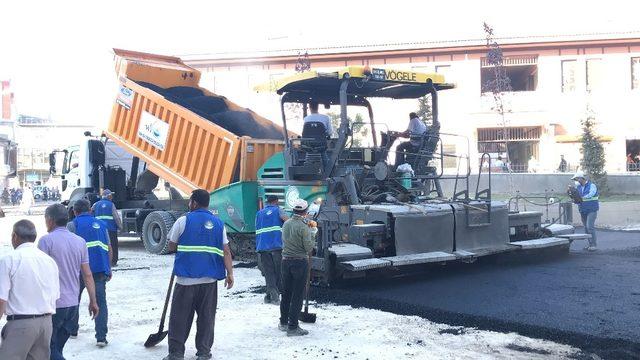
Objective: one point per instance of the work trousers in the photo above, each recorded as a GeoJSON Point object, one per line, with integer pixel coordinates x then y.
{"type": "Point", "coordinates": [113, 239]}
{"type": "Point", "coordinates": [63, 324]}
{"type": "Point", "coordinates": [271, 262]}
{"type": "Point", "coordinates": [100, 279]}
{"type": "Point", "coordinates": [202, 300]}
{"type": "Point", "coordinates": [26, 339]}
{"type": "Point", "coordinates": [404, 149]}
{"type": "Point", "coordinates": [589, 222]}
{"type": "Point", "coordinates": [294, 278]}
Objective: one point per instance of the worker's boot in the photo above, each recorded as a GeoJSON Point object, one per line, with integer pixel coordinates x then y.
{"type": "Point", "coordinates": [274, 298]}
{"type": "Point", "coordinates": [173, 357]}
{"type": "Point", "coordinates": [298, 331]}
{"type": "Point", "coordinates": [283, 327]}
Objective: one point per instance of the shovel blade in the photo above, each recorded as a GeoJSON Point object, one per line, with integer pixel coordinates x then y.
{"type": "Point", "coordinates": [155, 339]}
{"type": "Point", "coordinates": [307, 317]}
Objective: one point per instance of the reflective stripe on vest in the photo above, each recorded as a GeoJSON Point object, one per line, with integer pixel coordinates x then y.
{"type": "Point", "coordinates": [197, 248]}
{"type": "Point", "coordinates": [104, 217]}
{"type": "Point", "coordinates": [595, 198]}
{"type": "Point", "coordinates": [268, 229]}
{"type": "Point", "coordinates": [99, 244]}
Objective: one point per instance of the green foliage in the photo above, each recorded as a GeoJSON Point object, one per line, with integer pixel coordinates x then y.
{"type": "Point", "coordinates": [360, 129]}
{"type": "Point", "coordinates": [593, 157]}
{"type": "Point", "coordinates": [424, 108]}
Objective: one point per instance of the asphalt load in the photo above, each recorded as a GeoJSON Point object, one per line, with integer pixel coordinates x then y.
{"type": "Point", "coordinates": [588, 300]}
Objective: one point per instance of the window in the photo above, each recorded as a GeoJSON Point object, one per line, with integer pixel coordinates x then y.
{"type": "Point", "coordinates": [594, 74]}
{"type": "Point", "coordinates": [568, 76]}
{"type": "Point", "coordinates": [521, 71]}
{"type": "Point", "coordinates": [450, 159]}
{"type": "Point", "coordinates": [635, 73]}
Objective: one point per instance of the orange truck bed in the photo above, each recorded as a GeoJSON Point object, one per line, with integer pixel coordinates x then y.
{"type": "Point", "coordinates": [186, 134]}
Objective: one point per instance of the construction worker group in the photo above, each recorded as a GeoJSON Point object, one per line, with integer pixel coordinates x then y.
{"type": "Point", "coordinates": [41, 287]}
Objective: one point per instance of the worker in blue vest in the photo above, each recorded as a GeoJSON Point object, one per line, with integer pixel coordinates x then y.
{"type": "Point", "coordinates": [94, 232]}
{"type": "Point", "coordinates": [106, 211]}
{"type": "Point", "coordinates": [202, 258]}
{"type": "Point", "coordinates": [269, 246]}
{"type": "Point", "coordinates": [588, 206]}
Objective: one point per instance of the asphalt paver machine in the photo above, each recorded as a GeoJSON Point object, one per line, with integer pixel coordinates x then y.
{"type": "Point", "coordinates": [374, 218]}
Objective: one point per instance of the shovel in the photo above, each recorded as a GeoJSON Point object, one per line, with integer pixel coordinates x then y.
{"type": "Point", "coordinates": [155, 339]}
{"type": "Point", "coordinates": [306, 316]}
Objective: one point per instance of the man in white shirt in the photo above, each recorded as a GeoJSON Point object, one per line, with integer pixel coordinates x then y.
{"type": "Point", "coordinates": [414, 131]}
{"type": "Point", "coordinates": [29, 289]}
{"type": "Point", "coordinates": [316, 117]}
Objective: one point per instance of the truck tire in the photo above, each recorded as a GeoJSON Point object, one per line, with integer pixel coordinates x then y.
{"type": "Point", "coordinates": [155, 232]}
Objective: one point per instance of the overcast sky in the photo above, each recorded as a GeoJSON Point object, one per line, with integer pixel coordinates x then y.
{"type": "Point", "coordinates": [58, 53]}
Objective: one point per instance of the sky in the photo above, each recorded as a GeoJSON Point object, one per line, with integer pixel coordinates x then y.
{"type": "Point", "coordinates": [58, 54]}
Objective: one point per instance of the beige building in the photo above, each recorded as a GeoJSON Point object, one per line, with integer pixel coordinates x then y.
{"type": "Point", "coordinates": [554, 81]}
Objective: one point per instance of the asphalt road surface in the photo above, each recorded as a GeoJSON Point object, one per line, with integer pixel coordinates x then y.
{"type": "Point", "coordinates": [588, 300]}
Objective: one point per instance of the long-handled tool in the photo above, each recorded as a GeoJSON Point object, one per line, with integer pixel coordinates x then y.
{"type": "Point", "coordinates": [306, 316]}
{"type": "Point", "coordinates": [155, 339]}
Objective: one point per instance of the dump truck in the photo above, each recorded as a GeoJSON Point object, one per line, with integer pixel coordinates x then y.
{"type": "Point", "coordinates": [374, 218]}
{"type": "Point", "coordinates": [164, 126]}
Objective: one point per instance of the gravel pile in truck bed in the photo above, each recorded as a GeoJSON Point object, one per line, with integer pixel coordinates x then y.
{"type": "Point", "coordinates": [215, 109]}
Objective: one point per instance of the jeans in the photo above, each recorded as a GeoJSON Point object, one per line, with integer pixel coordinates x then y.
{"type": "Point", "coordinates": [202, 300]}
{"type": "Point", "coordinates": [589, 222]}
{"type": "Point", "coordinates": [271, 267]}
{"type": "Point", "coordinates": [63, 324]}
{"type": "Point", "coordinates": [294, 278]}
{"type": "Point", "coordinates": [403, 151]}
{"type": "Point", "coordinates": [100, 279]}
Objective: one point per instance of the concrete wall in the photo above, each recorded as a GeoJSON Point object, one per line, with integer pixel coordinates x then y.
{"type": "Point", "coordinates": [541, 183]}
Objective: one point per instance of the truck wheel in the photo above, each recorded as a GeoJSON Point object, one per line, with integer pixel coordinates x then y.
{"type": "Point", "coordinates": [155, 232]}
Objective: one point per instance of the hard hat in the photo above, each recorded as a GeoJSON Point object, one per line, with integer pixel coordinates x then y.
{"type": "Point", "coordinates": [579, 174]}
{"type": "Point", "coordinates": [300, 205]}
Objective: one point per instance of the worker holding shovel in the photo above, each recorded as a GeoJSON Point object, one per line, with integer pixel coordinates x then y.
{"type": "Point", "coordinates": [298, 239]}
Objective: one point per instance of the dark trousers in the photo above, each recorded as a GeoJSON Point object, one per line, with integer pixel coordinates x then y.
{"type": "Point", "coordinates": [201, 299]}
{"type": "Point", "coordinates": [113, 238]}
{"type": "Point", "coordinates": [403, 150]}
{"type": "Point", "coordinates": [63, 324]}
{"type": "Point", "coordinates": [271, 268]}
{"type": "Point", "coordinates": [294, 278]}
{"type": "Point", "coordinates": [101, 328]}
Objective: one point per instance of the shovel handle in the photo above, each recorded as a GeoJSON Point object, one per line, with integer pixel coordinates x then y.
{"type": "Point", "coordinates": [306, 302]}
{"type": "Point", "coordinates": [166, 303]}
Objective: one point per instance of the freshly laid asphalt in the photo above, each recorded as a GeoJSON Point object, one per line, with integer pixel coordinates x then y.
{"type": "Point", "coordinates": [588, 300]}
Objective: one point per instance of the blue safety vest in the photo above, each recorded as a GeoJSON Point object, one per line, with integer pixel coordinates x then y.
{"type": "Point", "coordinates": [588, 204]}
{"type": "Point", "coordinates": [93, 231]}
{"type": "Point", "coordinates": [200, 247]}
{"type": "Point", "coordinates": [268, 229]}
{"type": "Point", "coordinates": [103, 210]}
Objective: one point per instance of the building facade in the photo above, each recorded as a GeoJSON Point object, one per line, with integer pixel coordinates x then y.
{"type": "Point", "coordinates": [555, 83]}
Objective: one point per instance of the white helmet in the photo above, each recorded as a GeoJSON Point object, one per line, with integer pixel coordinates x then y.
{"type": "Point", "coordinates": [300, 205]}
{"type": "Point", "coordinates": [579, 174]}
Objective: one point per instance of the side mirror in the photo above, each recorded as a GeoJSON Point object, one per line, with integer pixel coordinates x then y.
{"type": "Point", "coordinates": [52, 163]}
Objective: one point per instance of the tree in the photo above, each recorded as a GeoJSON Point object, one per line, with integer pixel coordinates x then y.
{"type": "Point", "coordinates": [498, 84]}
{"type": "Point", "coordinates": [359, 128]}
{"type": "Point", "coordinates": [593, 160]}
{"type": "Point", "coordinates": [424, 108]}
